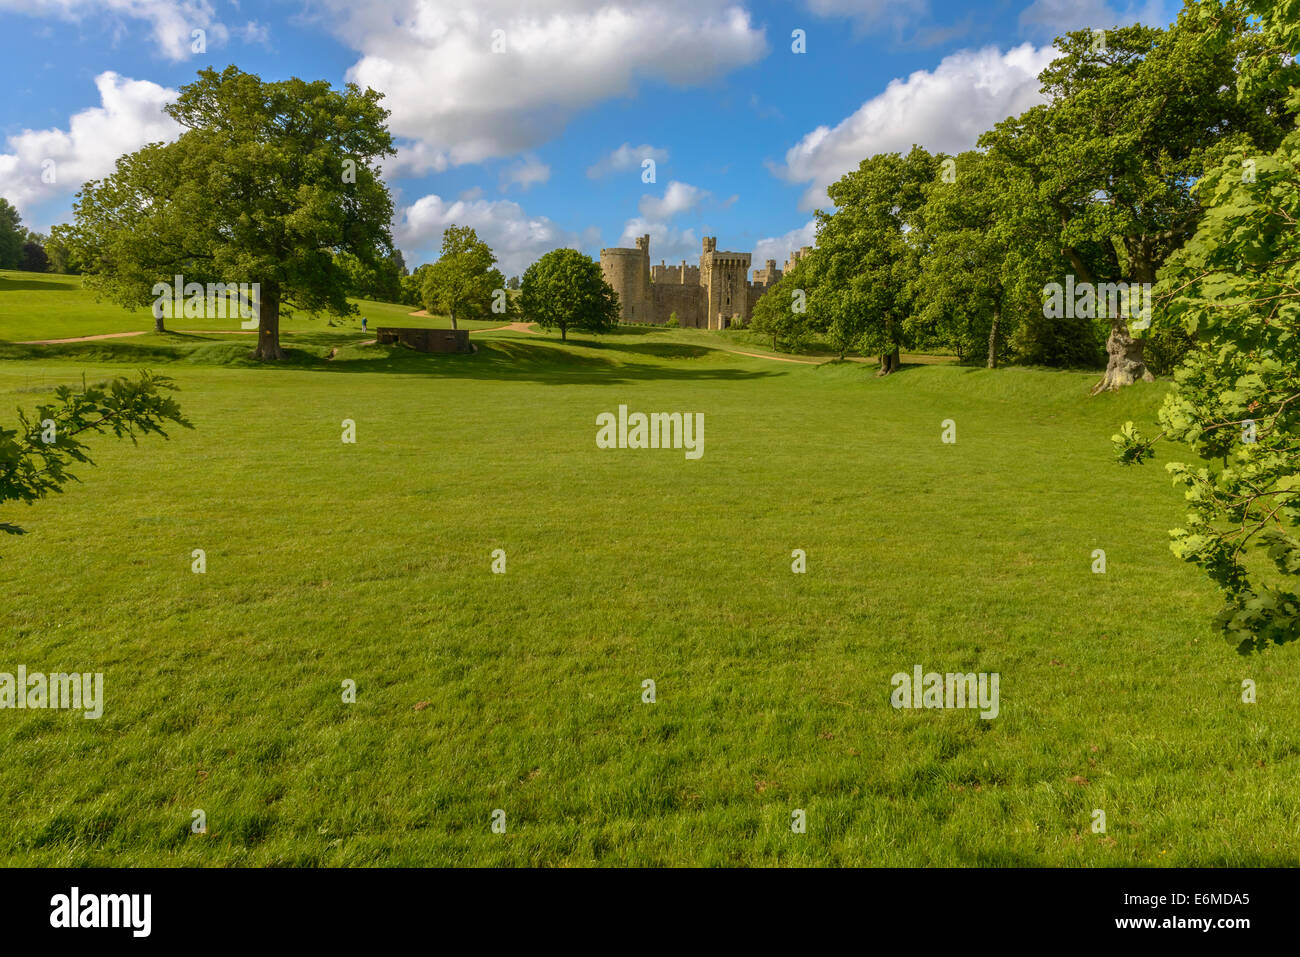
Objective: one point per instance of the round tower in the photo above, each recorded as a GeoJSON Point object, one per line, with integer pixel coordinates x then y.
{"type": "Point", "coordinates": [628, 272]}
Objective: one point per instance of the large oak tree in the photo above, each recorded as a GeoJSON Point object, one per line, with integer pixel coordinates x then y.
{"type": "Point", "coordinates": [1134, 117]}
{"type": "Point", "coordinates": [266, 185]}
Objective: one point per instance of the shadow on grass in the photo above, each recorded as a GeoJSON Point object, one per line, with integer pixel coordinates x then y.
{"type": "Point", "coordinates": [508, 357]}
{"type": "Point", "coordinates": [46, 285]}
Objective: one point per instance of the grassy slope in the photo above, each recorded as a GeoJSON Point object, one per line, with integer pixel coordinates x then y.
{"type": "Point", "coordinates": [371, 561]}
{"type": "Point", "coordinates": [48, 306]}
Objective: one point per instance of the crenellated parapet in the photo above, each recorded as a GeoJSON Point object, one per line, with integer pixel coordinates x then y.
{"type": "Point", "coordinates": [713, 295]}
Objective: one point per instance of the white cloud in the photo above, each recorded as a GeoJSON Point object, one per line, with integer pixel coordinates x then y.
{"type": "Point", "coordinates": [944, 109]}
{"type": "Point", "coordinates": [780, 247]}
{"type": "Point", "coordinates": [678, 198]}
{"type": "Point", "coordinates": [171, 22]}
{"type": "Point", "coordinates": [1053, 18]}
{"type": "Point", "coordinates": [525, 174]}
{"type": "Point", "coordinates": [434, 61]}
{"type": "Point", "coordinates": [666, 243]}
{"type": "Point", "coordinates": [517, 238]}
{"type": "Point", "coordinates": [624, 158]}
{"type": "Point", "coordinates": [130, 116]}
{"type": "Point", "coordinates": [416, 159]}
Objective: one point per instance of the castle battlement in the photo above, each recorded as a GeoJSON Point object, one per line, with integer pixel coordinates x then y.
{"type": "Point", "coordinates": [713, 295]}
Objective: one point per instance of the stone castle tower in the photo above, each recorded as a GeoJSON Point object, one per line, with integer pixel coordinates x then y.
{"type": "Point", "coordinates": [714, 295]}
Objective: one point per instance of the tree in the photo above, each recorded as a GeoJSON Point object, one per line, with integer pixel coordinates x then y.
{"type": "Point", "coordinates": [866, 262]}
{"type": "Point", "coordinates": [565, 289]}
{"type": "Point", "coordinates": [783, 311]}
{"type": "Point", "coordinates": [464, 280]}
{"type": "Point", "coordinates": [35, 457]}
{"type": "Point", "coordinates": [1130, 124]}
{"type": "Point", "coordinates": [267, 183]}
{"type": "Point", "coordinates": [1235, 401]}
{"type": "Point", "coordinates": [512, 282]}
{"type": "Point", "coordinates": [61, 258]}
{"type": "Point", "coordinates": [34, 258]}
{"type": "Point", "coordinates": [980, 232]}
{"type": "Point", "coordinates": [12, 236]}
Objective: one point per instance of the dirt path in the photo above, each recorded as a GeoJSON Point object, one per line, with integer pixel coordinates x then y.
{"type": "Point", "coordinates": [145, 332]}
{"type": "Point", "coordinates": [512, 326]}
{"type": "Point", "coordinates": [106, 335]}
{"type": "Point", "coordinates": [759, 355]}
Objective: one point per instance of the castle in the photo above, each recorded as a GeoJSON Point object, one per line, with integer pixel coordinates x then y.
{"type": "Point", "coordinates": [715, 294]}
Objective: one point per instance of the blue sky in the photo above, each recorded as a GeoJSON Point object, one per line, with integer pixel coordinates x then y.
{"type": "Point", "coordinates": [541, 144]}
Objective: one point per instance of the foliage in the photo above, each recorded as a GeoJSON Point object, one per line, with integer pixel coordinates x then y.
{"type": "Point", "coordinates": [267, 183]}
{"type": "Point", "coordinates": [1234, 292]}
{"type": "Point", "coordinates": [12, 236]}
{"type": "Point", "coordinates": [863, 270]}
{"type": "Point", "coordinates": [783, 311]}
{"type": "Point", "coordinates": [34, 258]}
{"type": "Point", "coordinates": [565, 289]}
{"type": "Point", "coordinates": [464, 281]}
{"type": "Point", "coordinates": [1129, 125]}
{"type": "Point", "coordinates": [36, 457]}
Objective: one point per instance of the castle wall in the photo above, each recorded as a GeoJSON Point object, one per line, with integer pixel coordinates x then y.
{"type": "Point", "coordinates": [625, 270]}
{"type": "Point", "coordinates": [796, 256]}
{"type": "Point", "coordinates": [769, 275]}
{"type": "Point", "coordinates": [682, 275]}
{"type": "Point", "coordinates": [713, 295]}
{"type": "Point", "coordinates": [686, 301]}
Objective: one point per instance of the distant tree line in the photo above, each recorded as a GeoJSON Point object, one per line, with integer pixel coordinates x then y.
{"type": "Point", "coordinates": [1092, 190]}
{"type": "Point", "coordinates": [28, 250]}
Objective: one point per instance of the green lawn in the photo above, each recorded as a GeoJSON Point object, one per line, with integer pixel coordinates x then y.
{"type": "Point", "coordinates": [371, 562]}
{"type": "Point", "coordinates": [48, 306]}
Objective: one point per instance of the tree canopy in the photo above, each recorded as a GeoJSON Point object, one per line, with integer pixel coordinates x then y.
{"type": "Point", "coordinates": [1234, 289]}
{"type": "Point", "coordinates": [464, 282]}
{"type": "Point", "coordinates": [566, 290]}
{"type": "Point", "coordinates": [266, 185]}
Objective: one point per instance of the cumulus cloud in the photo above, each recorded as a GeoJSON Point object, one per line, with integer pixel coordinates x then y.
{"type": "Point", "coordinates": [678, 198]}
{"type": "Point", "coordinates": [517, 238]}
{"type": "Point", "coordinates": [416, 159]}
{"type": "Point", "coordinates": [171, 22]}
{"type": "Point", "coordinates": [130, 115]}
{"type": "Point", "coordinates": [780, 247]}
{"type": "Point", "coordinates": [624, 158]}
{"type": "Point", "coordinates": [446, 87]}
{"type": "Point", "coordinates": [525, 174]}
{"type": "Point", "coordinates": [667, 243]}
{"type": "Point", "coordinates": [944, 109]}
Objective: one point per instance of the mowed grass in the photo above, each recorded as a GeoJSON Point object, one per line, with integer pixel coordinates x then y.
{"type": "Point", "coordinates": [523, 692]}
{"type": "Point", "coordinates": [49, 306]}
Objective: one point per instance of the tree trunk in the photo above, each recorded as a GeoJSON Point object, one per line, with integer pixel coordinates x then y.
{"type": "Point", "coordinates": [889, 362]}
{"type": "Point", "coordinates": [268, 325]}
{"type": "Point", "coordinates": [564, 333]}
{"type": "Point", "coordinates": [1125, 364]}
{"type": "Point", "coordinates": [993, 337]}
{"type": "Point", "coordinates": [452, 313]}
{"type": "Point", "coordinates": [158, 324]}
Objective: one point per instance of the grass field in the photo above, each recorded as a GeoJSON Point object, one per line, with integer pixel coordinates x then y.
{"type": "Point", "coordinates": [48, 306]}
{"type": "Point", "coordinates": [523, 692]}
